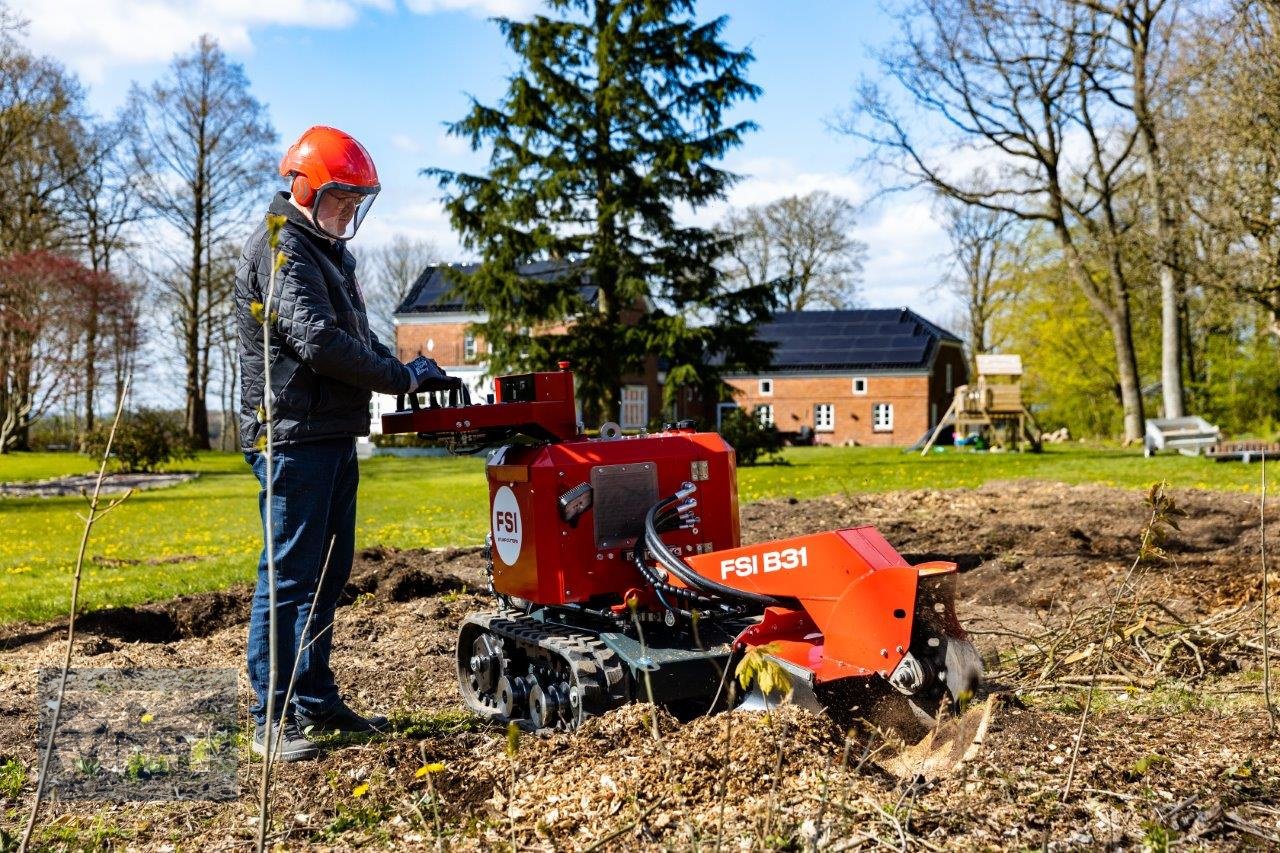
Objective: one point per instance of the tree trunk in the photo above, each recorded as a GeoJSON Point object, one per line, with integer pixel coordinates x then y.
{"type": "Point", "coordinates": [1127, 370]}
{"type": "Point", "coordinates": [1118, 321]}
{"type": "Point", "coordinates": [1139, 23]}
{"type": "Point", "coordinates": [197, 414]}
{"type": "Point", "coordinates": [90, 371]}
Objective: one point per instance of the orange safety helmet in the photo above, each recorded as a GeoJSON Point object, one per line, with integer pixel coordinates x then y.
{"type": "Point", "coordinates": [324, 160]}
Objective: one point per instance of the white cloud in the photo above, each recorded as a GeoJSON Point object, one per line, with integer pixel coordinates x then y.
{"type": "Point", "coordinates": [95, 34]}
{"type": "Point", "coordinates": [452, 146]}
{"type": "Point", "coordinates": [765, 179]}
{"type": "Point", "coordinates": [905, 255]}
{"type": "Point", "coordinates": [416, 218]}
{"type": "Point", "coordinates": [479, 8]}
{"type": "Point", "coordinates": [906, 248]}
{"type": "Point", "coordinates": [406, 143]}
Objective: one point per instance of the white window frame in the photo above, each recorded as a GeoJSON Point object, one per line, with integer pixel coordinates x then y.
{"type": "Point", "coordinates": [827, 424]}
{"type": "Point", "coordinates": [856, 381]}
{"type": "Point", "coordinates": [879, 424]}
{"type": "Point", "coordinates": [950, 378]}
{"type": "Point", "coordinates": [765, 387]}
{"type": "Point", "coordinates": [468, 346]}
{"type": "Point", "coordinates": [633, 408]}
{"type": "Point", "coordinates": [764, 414]}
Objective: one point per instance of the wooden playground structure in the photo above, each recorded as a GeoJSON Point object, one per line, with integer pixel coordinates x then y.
{"type": "Point", "coordinates": [993, 406]}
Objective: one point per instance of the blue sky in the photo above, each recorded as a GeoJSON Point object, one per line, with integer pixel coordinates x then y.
{"type": "Point", "coordinates": [393, 72]}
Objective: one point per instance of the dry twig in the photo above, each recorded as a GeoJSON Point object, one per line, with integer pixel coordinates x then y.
{"type": "Point", "coordinates": [1266, 642]}
{"type": "Point", "coordinates": [1163, 511]}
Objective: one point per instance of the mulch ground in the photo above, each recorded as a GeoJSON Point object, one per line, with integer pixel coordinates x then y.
{"type": "Point", "coordinates": [79, 484]}
{"type": "Point", "coordinates": [1176, 746]}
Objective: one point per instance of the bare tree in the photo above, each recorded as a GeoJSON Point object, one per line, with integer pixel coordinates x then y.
{"type": "Point", "coordinates": [202, 153]}
{"type": "Point", "coordinates": [1226, 144]}
{"type": "Point", "coordinates": [387, 274]}
{"type": "Point", "coordinates": [802, 245]}
{"type": "Point", "coordinates": [121, 324]}
{"type": "Point", "coordinates": [43, 299]}
{"type": "Point", "coordinates": [1029, 85]}
{"type": "Point", "coordinates": [42, 146]}
{"type": "Point", "coordinates": [1141, 31]}
{"type": "Point", "coordinates": [984, 252]}
{"type": "Point", "coordinates": [103, 204]}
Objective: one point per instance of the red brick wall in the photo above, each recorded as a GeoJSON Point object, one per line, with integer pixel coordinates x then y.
{"type": "Point", "coordinates": [447, 343]}
{"type": "Point", "coordinates": [794, 398]}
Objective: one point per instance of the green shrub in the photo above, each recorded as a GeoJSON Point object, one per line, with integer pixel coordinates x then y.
{"type": "Point", "coordinates": [12, 777]}
{"type": "Point", "coordinates": [146, 439]}
{"type": "Point", "coordinates": [750, 438]}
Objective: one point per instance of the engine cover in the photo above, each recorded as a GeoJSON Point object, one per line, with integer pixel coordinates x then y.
{"type": "Point", "coordinates": [565, 517]}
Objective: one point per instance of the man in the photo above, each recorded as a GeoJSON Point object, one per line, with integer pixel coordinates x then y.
{"type": "Point", "coordinates": [324, 363]}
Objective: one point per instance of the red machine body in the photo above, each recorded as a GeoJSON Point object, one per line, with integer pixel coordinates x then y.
{"type": "Point", "coordinates": [574, 544]}
{"type": "Point", "coordinates": [540, 555]}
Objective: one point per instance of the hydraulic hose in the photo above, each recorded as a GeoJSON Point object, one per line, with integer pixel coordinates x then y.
{"type": "Point", "coordinates": [678, 567]}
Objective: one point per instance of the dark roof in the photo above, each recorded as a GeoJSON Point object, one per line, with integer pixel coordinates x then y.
{"type": "Point", "coordinates": [430, 293]}
{"type": "Point", "coordinates": [862, 338]}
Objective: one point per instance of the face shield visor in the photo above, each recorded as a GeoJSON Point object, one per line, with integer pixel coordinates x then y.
{"type": "Point", "coordinates": [340, 208]}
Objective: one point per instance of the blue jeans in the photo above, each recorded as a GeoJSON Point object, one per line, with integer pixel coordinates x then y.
{"type": "Point", "coordinates": [313, 502]}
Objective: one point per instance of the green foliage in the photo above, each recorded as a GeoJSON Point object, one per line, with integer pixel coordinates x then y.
{"type": "Point", "coordinates": [362, 814]}
{"type": "Point", "coordinates": [12, 777]}
{"type": "Point", "coordinates": [1233, 369]}
{"type": "Point", "coordinates": [1238, 383]}
{"type": "Point", "coordinates": [87, 766]}
{"type": "Point", "coordinates": [1071, 378]}
{"type": "Point", "coordinates": [207, 748]}
{"type": "Point", "coordinates": [613, 121]}
{"type": "Point", "coordinates": [146, 440]}
{"type": "Point", "coordinates": [1156, 837]}
{"type": "Point", "coordinates": [749, 438]}
{"type": "Point", "coordinates": [1144, 765]}
{"type": "Point", "coordinates": [758, 666]}
{"type": "Point", "coordinates": [143, 766]}
{"type": "Point", "coordinates": [439, 724]}
{"type": "Point", "coordinates": [513, 740]}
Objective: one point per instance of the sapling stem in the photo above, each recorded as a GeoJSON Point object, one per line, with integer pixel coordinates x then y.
{"type": "Point", "coordinates": [89, 521]}
{"type": "Point", "coordinates": [274, 224]}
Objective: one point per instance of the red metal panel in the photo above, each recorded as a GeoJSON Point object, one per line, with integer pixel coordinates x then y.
{"type": "Point", "coordinates": [858, 591]}
{"type": "Point", "coordinates": [563, 564]}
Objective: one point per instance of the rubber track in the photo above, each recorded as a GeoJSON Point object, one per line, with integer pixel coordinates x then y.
{"type": "Point", "coordinates": [598, 669]}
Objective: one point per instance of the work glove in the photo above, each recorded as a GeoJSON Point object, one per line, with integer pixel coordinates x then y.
{"type": "Point", "coordinates": [426, 375]}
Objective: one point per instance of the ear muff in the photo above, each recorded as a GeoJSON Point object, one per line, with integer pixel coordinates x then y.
{"type": "Point", "coordinates": [302, 191]}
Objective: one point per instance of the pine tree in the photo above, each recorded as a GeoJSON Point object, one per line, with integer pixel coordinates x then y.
{"type": "Point", "coordinates": [614, 121]}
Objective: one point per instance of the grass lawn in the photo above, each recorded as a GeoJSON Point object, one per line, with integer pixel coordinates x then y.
{"type": "Point", "coordinates": [207, 531]}
{"type": "Point", "coordinates": [20, 467]}
{"type": "Point", "coordinates": [204, 534]}
{"type": "Point", "coordinates": [813, 471]}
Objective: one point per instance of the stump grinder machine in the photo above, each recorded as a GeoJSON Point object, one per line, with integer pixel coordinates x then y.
{"type": "Point", "coordinates": [619, 576]}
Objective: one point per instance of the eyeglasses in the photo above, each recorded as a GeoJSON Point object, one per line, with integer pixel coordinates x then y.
{"type": "Point", "coordinates": [346, 199]}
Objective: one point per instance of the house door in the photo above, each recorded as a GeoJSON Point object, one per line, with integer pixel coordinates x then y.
{"type": "Point", "coordinates": [635, 407]}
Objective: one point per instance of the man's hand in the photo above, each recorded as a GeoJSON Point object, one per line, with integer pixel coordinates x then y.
{"type": "Point", "coordinates": [426, 375]}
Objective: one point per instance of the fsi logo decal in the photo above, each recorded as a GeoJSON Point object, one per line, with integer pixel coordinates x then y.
{"type": "Point", "coordinates": [770, 561]}
{"type": "Point", "coordinates": [508, 530]}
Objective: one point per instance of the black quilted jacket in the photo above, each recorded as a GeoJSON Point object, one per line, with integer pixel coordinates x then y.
{"type": "Point", "coordinates": [324, 360]}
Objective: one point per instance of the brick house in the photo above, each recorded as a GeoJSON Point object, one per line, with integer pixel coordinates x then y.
{"type": "Point", "coordinates": [431, 321]}
{"type": "Point", "coordinates": [863, 376]}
